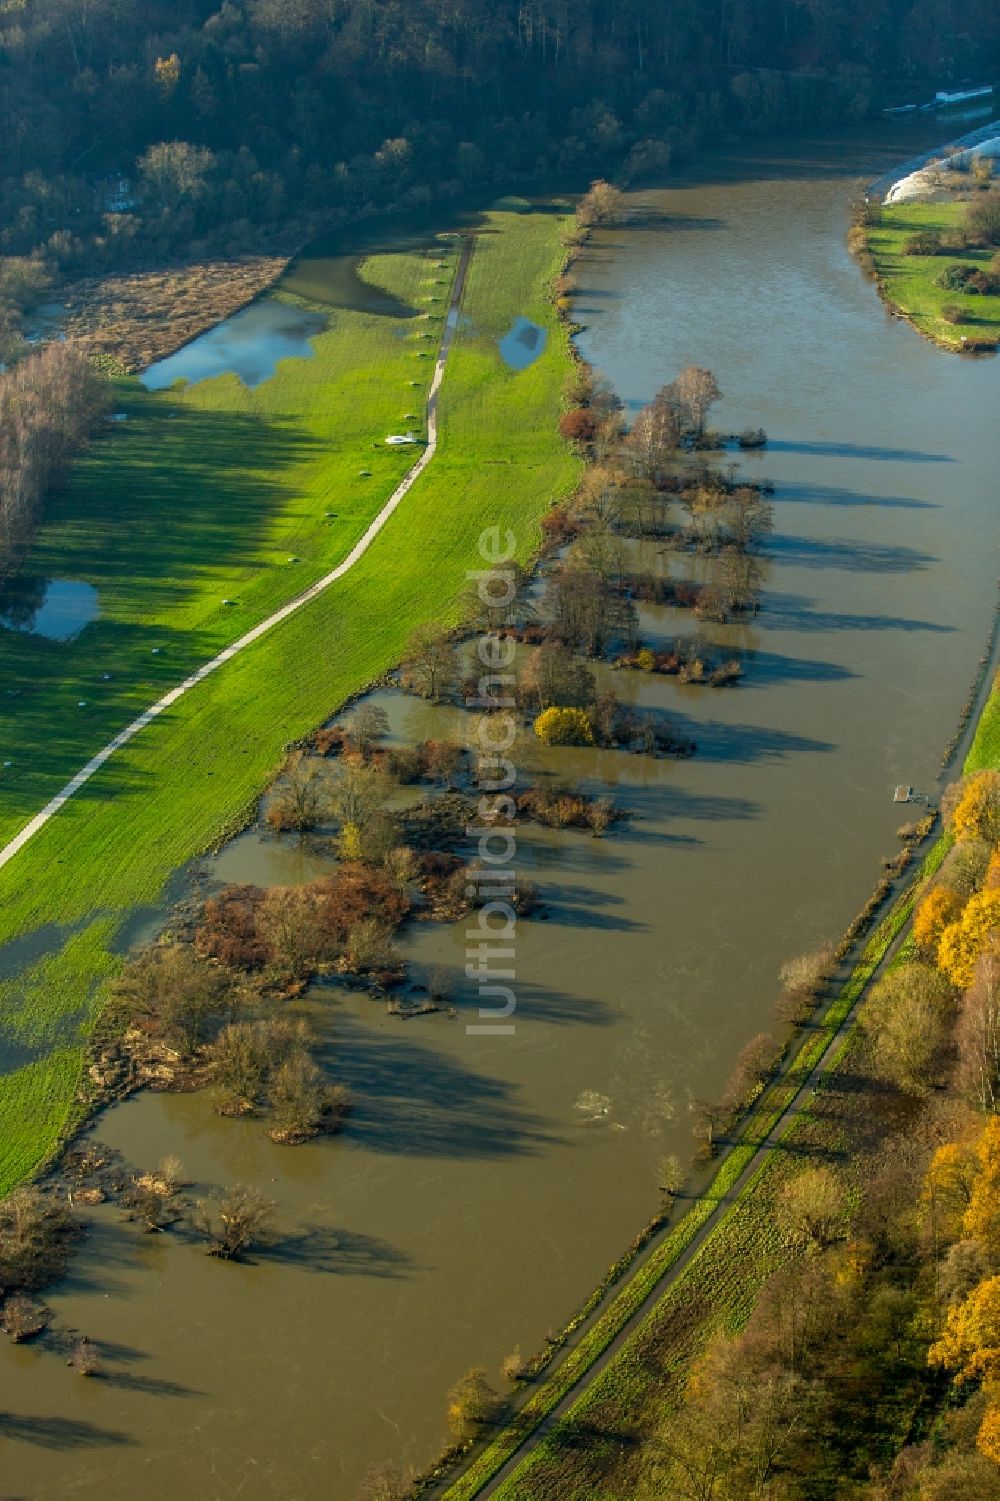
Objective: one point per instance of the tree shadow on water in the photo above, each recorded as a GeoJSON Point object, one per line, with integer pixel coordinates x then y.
{"type": "Point", "coordinates": [850, 556]}
{"type": "Point", "coordinates": [60, 1433]}
{"type": "Point", "coordinates": [321, 1248]}
{"type": "Point", "coordinates": [412, 1098]}
{"type": "Point", "coordinates": [838, 495]}
{"type": "Point", "coordinates": [793, 612]}
{"type": "Point", "coordinates": [741, 743]}
{"type": "Point", "coordinates": [860, 451]}
{"type": "Point", "coordinates": [764, 668]}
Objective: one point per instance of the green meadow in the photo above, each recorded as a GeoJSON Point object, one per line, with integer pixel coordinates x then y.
{"type": "Point", "coordinates": [908, 281]}
{"type": "Point", "coordinates": [206, 493]}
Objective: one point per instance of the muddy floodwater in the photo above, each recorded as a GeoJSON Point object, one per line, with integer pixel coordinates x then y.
{"type": "Point", "coordinates": [484, 1183]}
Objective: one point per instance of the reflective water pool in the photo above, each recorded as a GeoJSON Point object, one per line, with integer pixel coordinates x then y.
{"type": "Point", "coordinates": [55, 608]}
{"type": "Point", "coordinates": [522, 345]}
{"type": "Point", "coordinates": [249, 344]}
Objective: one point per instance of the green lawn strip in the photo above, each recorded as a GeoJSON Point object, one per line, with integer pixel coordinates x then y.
{"type": "Point", "coordinates": [203, 495]}
{"type": "Point", "coordinates": [38, 1098]}
{"type": "Point", "coordinates": [179, 785]}
{"type": "Point", "coordinates": [984, 752]}
{"type": "Point", "coordinates": [908, 281]}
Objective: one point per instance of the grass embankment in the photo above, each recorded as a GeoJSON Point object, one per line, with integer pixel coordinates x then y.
{"type": "Point", "coordinates": [173, 515]}
{"type": "Point", "coordinates": [907, 282]}
{"type": "Point", "coordinates": [592, 1449]}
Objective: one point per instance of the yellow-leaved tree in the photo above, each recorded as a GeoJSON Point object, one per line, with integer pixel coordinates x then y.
{"type": "Point", "coordinates": [970, 1342]}
{"type": "Point", "coordinates": [977, 813]}
{"type": "Point", "coordinates": [948, 1186]}
{"type": "Point", "coordinates": [557, 726]}
{"type": "Point", "coordinates": [938, 910]}
{"type": "Point", "coordinates": [982, 1218]}
{"type": "Point", "coordinates": [962, 942]}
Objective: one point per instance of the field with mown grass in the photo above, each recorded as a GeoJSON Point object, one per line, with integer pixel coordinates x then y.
{"type": "Point", "coordinates": [174, 513]}
{"type": "Point", "coordinates": [908, 281]}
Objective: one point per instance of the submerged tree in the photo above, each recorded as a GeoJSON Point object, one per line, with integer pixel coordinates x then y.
{"type": "Point", "coordinates": [233, 1223]}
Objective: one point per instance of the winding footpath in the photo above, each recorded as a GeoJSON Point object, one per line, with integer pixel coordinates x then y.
{"type": "Point", "coordinates": [358, 551]}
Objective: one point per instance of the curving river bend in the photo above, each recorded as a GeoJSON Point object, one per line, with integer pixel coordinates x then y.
{"type": "Point", "coordinates": [484, 1184]}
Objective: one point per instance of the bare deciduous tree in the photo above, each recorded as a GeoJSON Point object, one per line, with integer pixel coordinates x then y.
{"type": "Point", "coordinates": [234, 1222]}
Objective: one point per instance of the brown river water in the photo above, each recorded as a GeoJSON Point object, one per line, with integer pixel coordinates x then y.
{"type": "Point", "coordinates": [484, 1183]}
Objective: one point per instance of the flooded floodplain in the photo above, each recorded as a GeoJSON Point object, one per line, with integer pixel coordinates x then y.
{"type": "Point", "coordinates": [483, 1184]}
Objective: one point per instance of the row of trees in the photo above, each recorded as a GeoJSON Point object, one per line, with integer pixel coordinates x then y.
{"type": "Point", "coordinates": [351, 106]}
{"type": "Point", "coordinates": [49, 404]}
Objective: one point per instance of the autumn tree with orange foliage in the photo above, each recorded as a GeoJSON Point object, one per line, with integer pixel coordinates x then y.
{"type": "Point", "coordinates": [939, 909]}
{"type": "Point", "coordinates": [962, 942]}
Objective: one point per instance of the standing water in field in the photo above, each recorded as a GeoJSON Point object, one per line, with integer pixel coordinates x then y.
{"type": "Point", "coordinates": [56, 608]}
{"type": "Point", "coordinates": [249, 344]}
{"type": "Point", "coordinates": [522, 345]}
{"type": "Point", "coordinates": [483, 1184]}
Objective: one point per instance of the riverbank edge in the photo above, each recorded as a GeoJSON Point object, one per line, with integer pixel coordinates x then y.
{"type": "Point", "coordinates": [938, 334]}
{"type": "Point", "coordinates": [665, 1246]}
{"type": "Point", "coordinates": [877, 192]}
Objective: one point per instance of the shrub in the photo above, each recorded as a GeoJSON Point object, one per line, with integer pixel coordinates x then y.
{"type": "Point", "coordinates": [23, 1318]}
{"type": "Point", "coordinates": [961, 277]}
{"type": "Point", "coordinates": [578, 426]}
{"type": "Point", "coordinates": [645, 660]}
{"type": "Point", "coordinates": [297, 1098]}
{"type": "Point", "coordinates": [965, 866]}
{"type": "Point", "coordinates": [601, 204]}
{"type": "Point", "coordinates": [600, 815]}
{"type": "Point", "coordinates": [300, 796]}
{"type": "Point", "coordinates": [234, 1222]}
{"type": "Point", "coordinates": [803, 979]}
{"type": "Point", "coordinates": [358, 892]}
{"type": "Point", "coordinates": [566, 726]}
{"type": "Point", "coordinates": [924, 242]}
{"type": "Point", "coordinates": [905, 1019]}
{"type": "Point", "coordinates": [952, 312]}
{"type": "Point", "coordinates": [406, 763]}
{"type": "Point", "coordinates": [175, 992]}
{"type": "Point", "coordinates": [36, 1234]}
{"type": "Point", "coordinates": [370, 947]}
{"type": "Point", "coordinates": [228, 928]}
{"type": "Point", "coordinates": [755, 1064]}
{"type": "Point", "coordinates": [242, 1056]}
{"type": "Point", "coordinates": [813, 1206]}
{"type": "Point", "coordinates": [472, 1405]}
{"type": "Point", "coordinates": [982, 218]}
{"type": "Point", "coordinates": [293, 924]}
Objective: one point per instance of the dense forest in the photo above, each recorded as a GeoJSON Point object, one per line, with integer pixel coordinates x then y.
{"type": "Point", "coordinates": [231, 120]}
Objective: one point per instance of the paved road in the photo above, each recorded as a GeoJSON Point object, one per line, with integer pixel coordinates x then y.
{"type": "Point", "coordinates": [358, 551]}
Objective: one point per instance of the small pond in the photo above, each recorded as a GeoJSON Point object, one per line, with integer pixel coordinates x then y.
{"type": "Point", "coordinates": [249, 344]}
{"type": "Point", "coordinates": [55, 608]}
{"type": "Point", "coordinates": [522, 345]}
